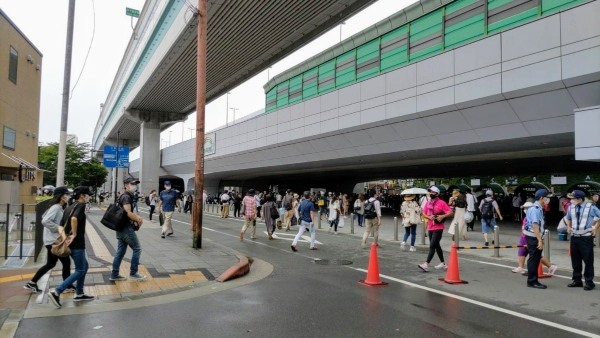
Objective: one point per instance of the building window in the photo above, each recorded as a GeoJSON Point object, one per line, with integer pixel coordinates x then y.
{"type": "Point", "coordinates": [12, 65]}
{"type": "Point", "coordinates": [9, 138]}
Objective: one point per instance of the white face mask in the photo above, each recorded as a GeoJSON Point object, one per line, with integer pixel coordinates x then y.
{"type": "Point", "coordinates": [133, 188]}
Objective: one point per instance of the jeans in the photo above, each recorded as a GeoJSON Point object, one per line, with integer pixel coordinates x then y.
{"type": "Point", "coordinates": [152, 207]}
{"type": "Point", "coordinates": [361, 219]}
{"type": "Point", "coordinates": [81, 268]}
{"type": "Point", "coordinates": [435, 237]}
{"type": "Point", "coordinates": [51, 263]}
{"type": "Point", "coordinates": [412, 231]}
{"type": "Point", "coordinates": [127, 237]}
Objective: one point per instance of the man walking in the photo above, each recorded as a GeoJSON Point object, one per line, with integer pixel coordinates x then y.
{"type": "Point", "coordinates": [289, 213]}
{"type": "Point", "coordinates": [533, 229]}
{"type": "Point", "coordinates": [166, 205]}
{"type": "Point", "coordinates": [127, 236]}
{"type": "Point", "coordinates": [488, 208]}
{"type": "Point", "coordinates": [372, 218]}
{"type": "Point", "coordinates": [249, 203]}
{"type": "Point", "coordinates": [471, 203]}
{"type": "Point", "coordinates": [307, 220]}
{"type": "Point", "coordinates": [582, 224]}
{"type": "Point", "coordinates": [225, 204]}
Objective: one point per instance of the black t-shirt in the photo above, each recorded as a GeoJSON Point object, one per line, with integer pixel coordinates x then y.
{"type": "Point", "coordinates": [78, 210]}
{"type": "Point", "coordinates": [125, 198]}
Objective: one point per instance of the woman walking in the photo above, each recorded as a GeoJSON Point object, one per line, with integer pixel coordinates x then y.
{"type": "Point", "coordinates": [51, 220]}
{"type": "Point", "coordinates": [75, 219]}
{"type": "Point", "coordinates": [359, 209]}
{"type": "Point", "coordinates": [435, 211]}
{"type": "Point", "coordinates": [411, 215]}
{"type": "Point", "coordinates": [152, 198]}
{"type": "Point", "coordinates": [334, 214]}
{"type": "Point", "coordinates": [458, 202]}
{"type": "Point", "coordinates": [267, 212]}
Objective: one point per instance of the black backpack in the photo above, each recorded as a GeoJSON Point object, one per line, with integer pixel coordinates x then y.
{"type": "Point", "coordinates": [370, 212]}
{"type": "Point", "coordinates": [274, 212]}
{"type": "Point", "coordinates": [147, 200]}
{"type": "Point", "coordinates": [487, 210]}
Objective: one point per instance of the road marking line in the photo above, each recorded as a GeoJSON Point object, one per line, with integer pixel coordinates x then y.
{"type": "Point", "coordinates": [488, 306]}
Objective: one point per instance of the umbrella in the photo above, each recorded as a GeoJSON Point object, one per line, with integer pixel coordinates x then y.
{"type": "Point", "coordinates": [414, 191]}
{"type": "Point", "coordinates": [48, 187]}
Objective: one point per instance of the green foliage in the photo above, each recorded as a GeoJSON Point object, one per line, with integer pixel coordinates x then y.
{"type": "Point", "coordinates": [80, 169]}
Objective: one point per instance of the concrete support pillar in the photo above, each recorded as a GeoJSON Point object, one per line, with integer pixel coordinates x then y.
{"type": "Point", "coordinates": [149, 156]}
{"type": "Point", "coordinates": [587, 138]}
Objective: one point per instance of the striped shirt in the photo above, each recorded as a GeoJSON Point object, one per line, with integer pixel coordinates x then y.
{"type": "Point", "coordinates": [249, 206]}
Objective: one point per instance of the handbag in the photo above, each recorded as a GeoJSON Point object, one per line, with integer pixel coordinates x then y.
{"type": "Point", "coordinates": [115, 218]}
{"type": "Point", "coordinates": [60, 248]}
{"type": "Point", "coordinates": [161, 218]}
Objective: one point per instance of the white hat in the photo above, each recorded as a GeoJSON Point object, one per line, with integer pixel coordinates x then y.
{"type": "Point", "coordinates": [527, 205]}
{"type": "Point", "coordinates": [434, 189]}
{"type": "Point", "coordinates": [489, 193]}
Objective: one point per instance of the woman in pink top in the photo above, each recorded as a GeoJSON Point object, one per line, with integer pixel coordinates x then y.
{"type": "Point", "coordinates": [435, 211]}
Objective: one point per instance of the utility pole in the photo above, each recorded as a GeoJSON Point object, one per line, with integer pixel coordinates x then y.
{"type": "Point", "coordinates": [227, 111]}
{"type": "Point", "coordinates": [64, 118]}
{"type": "Point", "coordinates": [200, 114]}
{"type": "Point", "coordinates": [234, 109]}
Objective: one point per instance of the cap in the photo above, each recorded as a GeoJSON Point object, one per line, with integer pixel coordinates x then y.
{"type": "Point", "coordinates": [489, 193]}
{"type": "Point", "coordinates": [167, 182]}
{"type": "Point", "coordinates": [61, 191]}
{"type": "Point", "coordinates": [434, 189]}
{"type": "Point", "coordinates": [542, 193]}
{"type": "Point", "coordinates": [131, 180]}
{"type": "Point", "coordinates": [576, 194]}
{"type": "Point", "coordinates": [82, 190]}
{"type": "Point", "coordinates": [409, 196]}
{"type": "Point", "coordinates": [527, 205]}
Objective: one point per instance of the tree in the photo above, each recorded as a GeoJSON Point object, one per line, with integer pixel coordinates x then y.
{"type": "Point", "coordinates": [80, 167]}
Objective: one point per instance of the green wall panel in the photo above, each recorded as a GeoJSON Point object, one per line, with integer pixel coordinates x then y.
{"type": "Point", "coordinates": [309, 87]}
{"type": "Point", "coordinates": [553, 6]}
{"type": "Point", "coordinates": [295, 91]}
{"type": "Point", "coordinates": [465, 31]}
{"type": "Point", "coordinates": [394, 49]}
{"type": "Point", "coordinates": [345, 68]}
{"type": "Point", "coordinates": [456, 5]}
{"type": "Point", "coordinates": [282, 94]}
{"type": "Point", "coordinates": [271, 102]}
{"type": "Point", "coordinates": [423, 32]}
{"type": "Point", "coordinates": [327, 76]}
{"type": "Point", "coordinates": [367, 59]}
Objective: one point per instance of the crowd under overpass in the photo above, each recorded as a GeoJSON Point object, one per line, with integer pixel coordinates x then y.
{"type": "Point", "coordinates": [505, 104]}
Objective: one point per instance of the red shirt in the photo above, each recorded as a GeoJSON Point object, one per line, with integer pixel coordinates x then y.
{"type": "Point", "coordinates": [249, 206]}
{"type": "Point", "coordinates": [433, 207]}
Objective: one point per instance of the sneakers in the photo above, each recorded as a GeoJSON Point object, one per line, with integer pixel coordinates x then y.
{"type": "Point", "coordinates": [83, 297]}
{"type": "Point", "coordinates": [552, 269]}
{"type": "Point", "coordinates": [170, 234]}
{"type": "Point", "coordinates": [335, 233]}
{"type": "Point", "coordinates": [32, 286]}
{"type": "Point", "coordinates": [294, 248]}
{"type": "Point", "coordinates": [252, 237]}
{"type": "Point", "coordinates": [117, 277]}
{"type": "Point", "coordinates": [518, 270]}
{"type": "Point", "coordinates": [486, 244]}
{"type": "Point", "coordinates": [441, 266]}
{"type": "Point", "coordinates": [403, 245]}
{"type": "Point", "coordinates": [162, 235]}
{"type": "Point", "coordinates": [424, 266]}
{"type": "Point", "coordinates": [329, 231]}
{"type": "Point", "coordinates": [137, 276]}
{"type": "Point", "coordinates": [55, 299]}
{"type": "Point", "coordinates": [412, 248]}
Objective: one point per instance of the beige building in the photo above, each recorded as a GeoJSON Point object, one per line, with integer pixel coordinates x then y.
{"type": "Point", "coordinates": [20, 86]}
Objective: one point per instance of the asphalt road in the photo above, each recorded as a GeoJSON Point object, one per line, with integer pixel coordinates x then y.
{"type": "Point", "coordinates": [302, 298]}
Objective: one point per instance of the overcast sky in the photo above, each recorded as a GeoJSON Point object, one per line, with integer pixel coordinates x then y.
{"type": "Point", "coordinates": [44, 22]}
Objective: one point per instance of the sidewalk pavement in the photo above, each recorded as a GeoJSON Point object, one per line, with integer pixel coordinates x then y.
{"type": "Point", "coordinates": [170, 264]}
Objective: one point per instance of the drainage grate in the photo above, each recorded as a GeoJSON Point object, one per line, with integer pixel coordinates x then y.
{"type": "Point", "coordinates": [332, 262]}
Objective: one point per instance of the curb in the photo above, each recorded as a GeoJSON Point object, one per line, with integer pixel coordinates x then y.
{"type": "Point", "coordinates": [238, 270]}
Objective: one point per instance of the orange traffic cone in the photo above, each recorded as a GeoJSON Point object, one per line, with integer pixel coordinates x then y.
{"type": "Point", "coordinates": [373, 270]}
{"type": "Point", "coordinates": [453, 273]}
{"type": "Point", "coordinates": [541, 272]}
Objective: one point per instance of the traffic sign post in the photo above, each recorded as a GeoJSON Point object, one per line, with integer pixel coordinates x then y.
{"type": "Point", "coordinates": [116, 158]}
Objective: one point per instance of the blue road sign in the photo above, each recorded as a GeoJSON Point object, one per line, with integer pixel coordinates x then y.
{"type": "Point", "coordinates": [111, 160]}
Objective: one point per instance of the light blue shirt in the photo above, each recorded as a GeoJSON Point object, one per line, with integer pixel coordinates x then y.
{"type": "Point", "coordinates": [589, 222]}
{"type": "Point", "coordinates": [535, 214]}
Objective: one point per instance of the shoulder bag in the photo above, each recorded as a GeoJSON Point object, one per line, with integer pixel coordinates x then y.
{"type": "Point", "coordinates": [60, 248]}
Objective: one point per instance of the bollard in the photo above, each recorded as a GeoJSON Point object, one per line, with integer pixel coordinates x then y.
{"type": "Point", "coordinates": [423, 232]}
{"type": "Point", "coordinates": [457, 235]}
{"type": "Point", "coordinates": [319, 221]}
{"type": "Point", "coordinates": [547, 244]}
{"type": "Point", "coordinates": [395, 228]}
{"type": "Point", "coordinates": [496, 241]}
{"type": "Point", "coordinates": [352, 223]}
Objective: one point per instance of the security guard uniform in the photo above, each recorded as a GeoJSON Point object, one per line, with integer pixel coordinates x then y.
{"type": "Point", "coordinates": [582, 217]}
{"type": "Point", "coordinates": [534, 214]}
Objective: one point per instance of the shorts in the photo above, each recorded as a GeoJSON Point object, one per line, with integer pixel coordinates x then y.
{"type": "Point", "coordinates": [485, 224]}
{"type": "Point", "coordinates": [522, 252]}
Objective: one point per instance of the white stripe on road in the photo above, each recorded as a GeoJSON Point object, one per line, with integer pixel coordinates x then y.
{"type": "Point", "coordinates": [488, 306]}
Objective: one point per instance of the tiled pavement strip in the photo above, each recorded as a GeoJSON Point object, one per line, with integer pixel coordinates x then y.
{"type": "Point", "coordinates": [171, 265]}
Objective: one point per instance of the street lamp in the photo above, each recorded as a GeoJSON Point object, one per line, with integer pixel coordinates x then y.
{"type": "Point", "coordinates": [227, 111]}
{"type": "Point", "coordinates": [234, 109]}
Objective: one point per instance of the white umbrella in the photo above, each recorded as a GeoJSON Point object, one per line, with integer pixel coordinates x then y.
{"type": "Point", "coordinates": [414, 191]}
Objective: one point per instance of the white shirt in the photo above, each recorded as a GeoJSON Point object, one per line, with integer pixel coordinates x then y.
{"type": "Point", "coordinates": [225, 197]}
{"type": "Point", "coordinates": [470, 202]}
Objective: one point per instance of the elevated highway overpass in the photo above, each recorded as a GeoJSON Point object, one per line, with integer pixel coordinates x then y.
{"type": "Point", "coordinates": [504, 101]}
